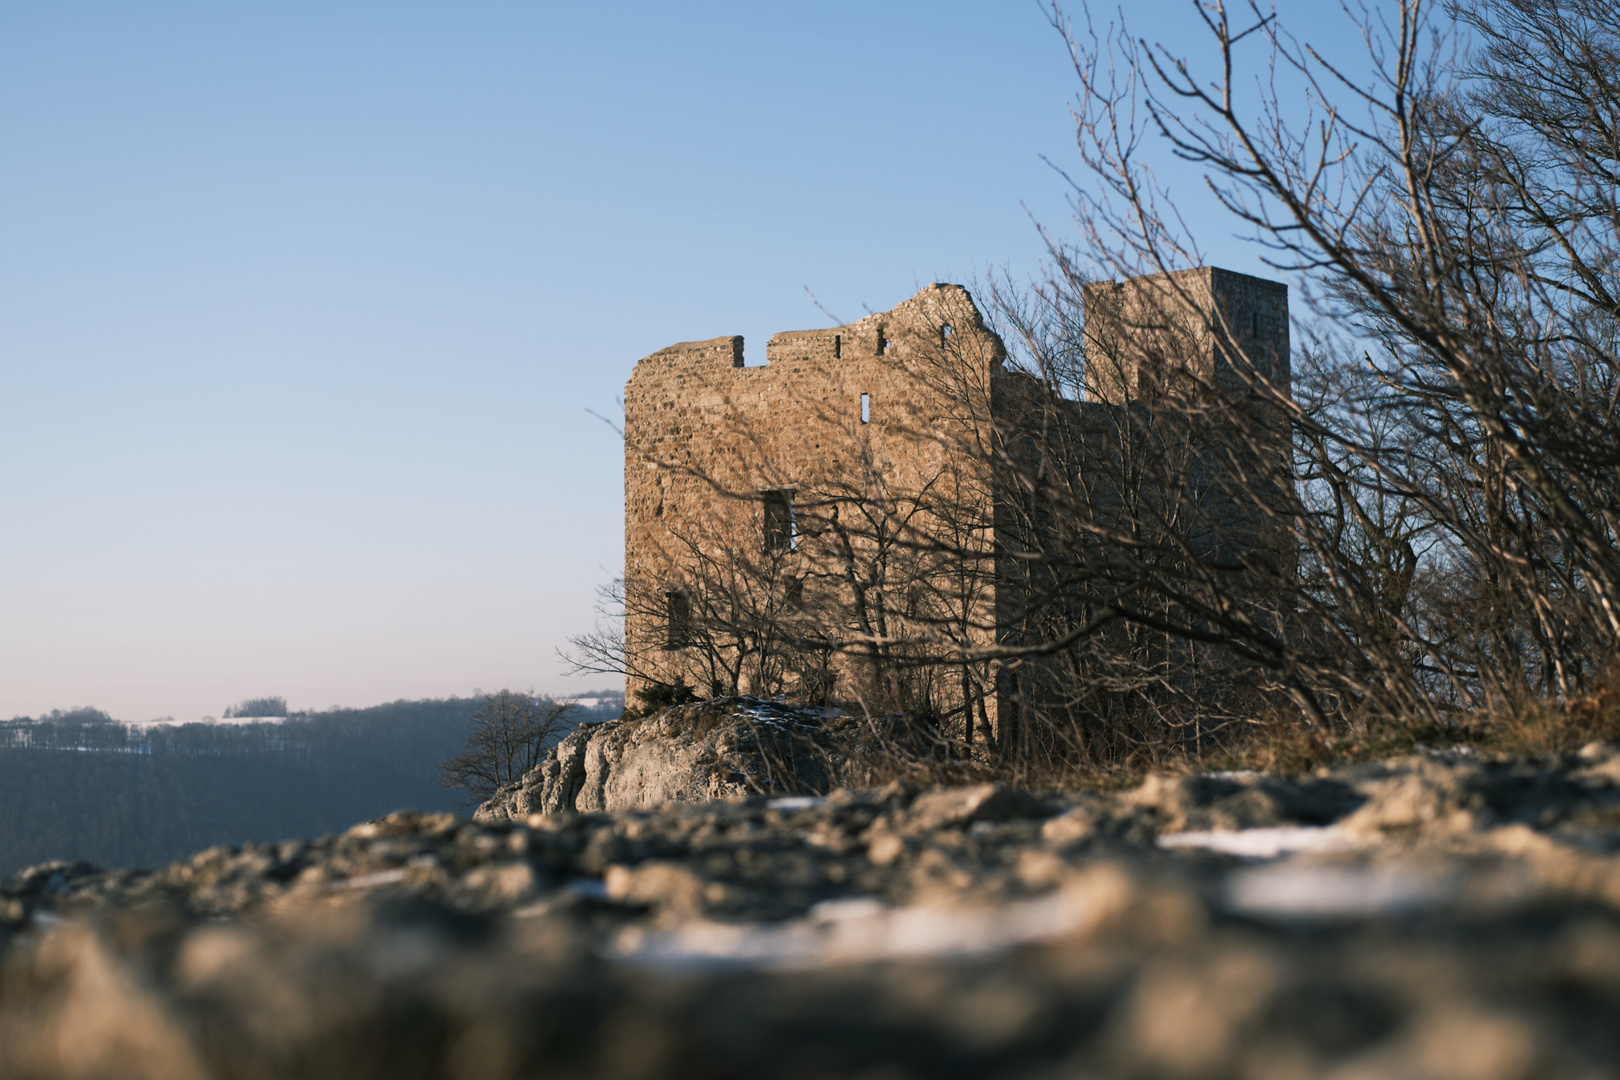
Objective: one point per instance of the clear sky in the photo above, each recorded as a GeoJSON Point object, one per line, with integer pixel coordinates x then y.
{"type": "Point", "coordinates": [304, 307]}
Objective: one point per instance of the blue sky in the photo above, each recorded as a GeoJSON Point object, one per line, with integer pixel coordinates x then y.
{"type": "Point", "coordinates": [305, 307]}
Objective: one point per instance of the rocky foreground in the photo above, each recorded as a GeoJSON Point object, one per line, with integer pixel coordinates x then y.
{"type": "Point", "coordinates": [1433, 916]}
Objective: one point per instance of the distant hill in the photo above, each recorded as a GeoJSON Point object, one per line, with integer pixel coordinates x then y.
{"type": "Point", "coordinates": [81, 785]}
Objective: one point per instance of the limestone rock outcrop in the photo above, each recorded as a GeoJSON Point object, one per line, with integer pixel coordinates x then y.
{"type": "Point", "coordinates": [692, 753]}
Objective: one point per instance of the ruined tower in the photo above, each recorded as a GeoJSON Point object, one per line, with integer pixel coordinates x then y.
{"type": "Point", "coordinates": [848, 498]}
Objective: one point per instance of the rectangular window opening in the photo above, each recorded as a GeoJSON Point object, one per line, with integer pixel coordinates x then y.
{"type": "Point", "coordinates": [866, 408]}
{"type": "Point", "coordinates": [781, 521]}
{"type": "Point", "coordinates": [678, 629]}
{"type": "Point", "coordinates": [838, 346]}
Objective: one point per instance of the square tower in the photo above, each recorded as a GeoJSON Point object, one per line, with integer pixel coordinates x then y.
{"type": "Point", "coordinates": [1147, 336]}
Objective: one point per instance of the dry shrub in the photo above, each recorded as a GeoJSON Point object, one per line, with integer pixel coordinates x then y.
{"type": "Point", "coordinates": [1543, 729]}
{"type": "Point", "coordinates": [1290, 748]}
{"type": "Point", "coordinates": [1539, 728]}
{"type": "Point", "coordinates": [876, 749]}
{"type": "Point", "coordinates": [863, 750]}
{"type": "Point", "coordinates": [1282, 744]}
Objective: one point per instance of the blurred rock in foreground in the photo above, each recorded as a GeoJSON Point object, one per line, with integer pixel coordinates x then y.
{"type": "Point", "coordinates": [1433, 916]}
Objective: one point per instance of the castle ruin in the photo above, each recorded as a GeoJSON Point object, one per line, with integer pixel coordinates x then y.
{"type": "Point", "coordinates": [870, 496]}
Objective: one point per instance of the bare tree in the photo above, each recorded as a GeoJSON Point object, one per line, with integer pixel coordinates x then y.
{"type": "Point", "coordinates": [1149, 484]}
{"type": "Point", "coordinates": [1453, 221]}
{"type": "Point", "coordinates": [511, 733]}
{"type": "Point", "coordinates": [1426, 521]}
{"type": "Point", "coordinates": [601, 650]}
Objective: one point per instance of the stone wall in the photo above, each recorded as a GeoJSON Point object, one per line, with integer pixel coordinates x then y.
{"type": "Point", "coordinates": [836, 421]}
{"type": "Point", "coordinates": [756, 498]}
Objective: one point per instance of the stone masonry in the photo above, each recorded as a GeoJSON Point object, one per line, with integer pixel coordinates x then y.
{"type": "Point", "coordinates": [749, 491]}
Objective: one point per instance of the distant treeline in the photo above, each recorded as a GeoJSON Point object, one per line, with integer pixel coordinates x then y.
{"type": "Point", "coordinates": [80, 785]}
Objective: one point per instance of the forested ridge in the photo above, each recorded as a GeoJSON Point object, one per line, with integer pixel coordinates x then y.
{"type": "Point", "coordinates": [81, 785]}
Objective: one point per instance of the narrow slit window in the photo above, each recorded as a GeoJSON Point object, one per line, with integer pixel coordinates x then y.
{"type": "Point", "coordinates": [781, 525]}
{"type": "Point", "coordinates": [883, 342]}
{"type": "Point", "coordinates": [944, 335]}
{"type": "Point", "coordinates": [838, 346]}
{"type": "Point", "coordinates": [866, 408]}
{"type": "Point", "coordinates": [678, 631]}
